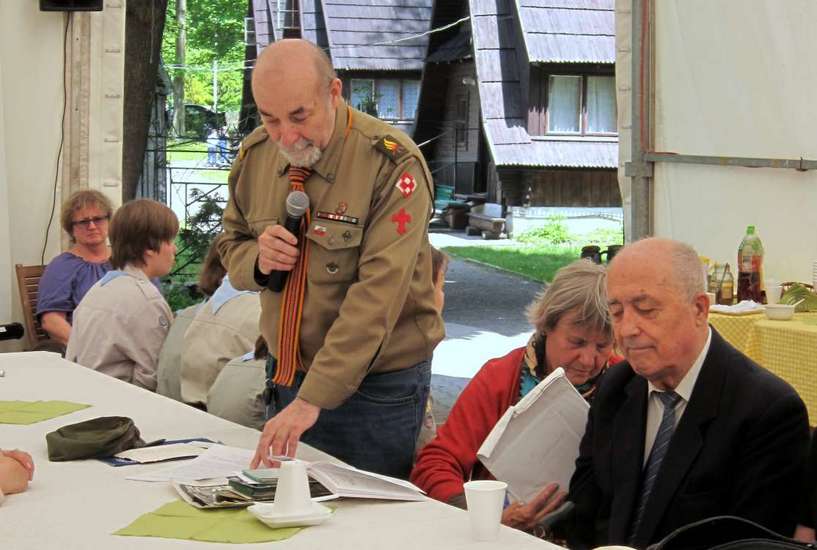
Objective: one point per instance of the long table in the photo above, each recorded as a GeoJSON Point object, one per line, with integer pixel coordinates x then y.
{"type": "Point", "coordinates": [78, 504]}
{"type": "Point", "coordinates": [786, 348]}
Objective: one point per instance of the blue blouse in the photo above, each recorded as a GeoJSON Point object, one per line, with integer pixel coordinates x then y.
{"type": "Point", "coordinates": [65, 281]}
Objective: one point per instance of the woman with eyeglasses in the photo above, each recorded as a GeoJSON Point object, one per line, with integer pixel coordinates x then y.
{"type": "Point", "coordinates": [84, 216]}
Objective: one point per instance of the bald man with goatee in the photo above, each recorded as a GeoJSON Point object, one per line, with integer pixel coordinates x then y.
{"type": "Point", "coordinates": [352, 332]}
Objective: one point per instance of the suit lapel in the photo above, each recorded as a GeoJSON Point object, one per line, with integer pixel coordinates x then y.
{"type": "Point", "coordinates": [687, 440]}
{"type": "Point", "coordinates": [627, 454]}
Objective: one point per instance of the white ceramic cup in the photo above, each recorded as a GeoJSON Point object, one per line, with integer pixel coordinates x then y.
{"type": "Point", "coordinates": [773, 292]}
{"type": "Point", "coordinates": [292, 493]}
{"type": "Point", "coordinates": [485, 499]}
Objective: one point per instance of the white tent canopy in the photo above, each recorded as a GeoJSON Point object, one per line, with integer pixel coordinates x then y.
{"type": "Point", "coordinates": [734, 78]}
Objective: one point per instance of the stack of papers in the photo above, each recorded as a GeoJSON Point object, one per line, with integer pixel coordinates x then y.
{"type": "Point", "coordinates": [536, 441]}
{"type": "Point", "coordinates": [219, 461]}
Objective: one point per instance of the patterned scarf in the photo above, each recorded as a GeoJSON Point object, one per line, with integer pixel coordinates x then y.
{"type": "Point", "coordinates": [535, 368]}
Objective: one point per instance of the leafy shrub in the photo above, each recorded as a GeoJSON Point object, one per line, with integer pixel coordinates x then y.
{"type": "Point", "coordinates": [553, 232]}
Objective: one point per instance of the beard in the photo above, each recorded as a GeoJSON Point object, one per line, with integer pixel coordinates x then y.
{"type": "Point", "coordinates": [303, 154]}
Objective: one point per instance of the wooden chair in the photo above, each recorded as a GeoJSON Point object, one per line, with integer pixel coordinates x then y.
{"type": "Point", "coordinates": [28, 283]}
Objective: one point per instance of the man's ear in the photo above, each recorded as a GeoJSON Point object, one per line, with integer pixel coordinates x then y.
{"type": "Point", "coordinates": [335, 91]}
{"type": "Point", "coordinates": [701, 304]}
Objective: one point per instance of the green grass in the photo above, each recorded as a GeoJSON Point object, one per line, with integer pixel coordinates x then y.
{"type": "Point", "coordinates": [537, 262]}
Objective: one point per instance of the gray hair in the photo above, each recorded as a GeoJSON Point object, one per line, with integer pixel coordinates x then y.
{"type": "Point", "coordinates": [580, 287]}
{"type": "Point", "coordinates": [687, 269]}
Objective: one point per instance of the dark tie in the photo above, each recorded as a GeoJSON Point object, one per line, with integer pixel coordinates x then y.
{"type": "Point", "coordinates": [292, 301]}
{"type": "Point", "coordinates": [670, 399]}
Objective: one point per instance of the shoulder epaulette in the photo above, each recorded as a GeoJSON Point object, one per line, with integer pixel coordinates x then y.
{"type": "Point", "coordinates": [390, 147]}
{"type": "Point", "coordinates": [257, 136]}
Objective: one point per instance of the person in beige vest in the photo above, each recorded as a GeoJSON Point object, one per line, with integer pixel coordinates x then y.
{"type": "Point", "coordinates": [368, 325]}
{"type": "Point", "coordinates": [121, 323]}
{"type": "Point", "coordinates": [169, 368]}
{"type": "Point", "coordinates": [237, 394]}
{"type": "Point", "coordinates": [225, 327]}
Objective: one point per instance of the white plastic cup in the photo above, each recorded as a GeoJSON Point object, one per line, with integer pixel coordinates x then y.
{"type": "Point", "coordinates": [292, 492]}
{"type": "Point", "coordinates": [485, 499]}
{"type": "Point", "coordinates": [773, 292]}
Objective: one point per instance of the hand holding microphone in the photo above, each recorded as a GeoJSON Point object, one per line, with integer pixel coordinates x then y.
{"type": "Point", "coordinates": [277, 246]}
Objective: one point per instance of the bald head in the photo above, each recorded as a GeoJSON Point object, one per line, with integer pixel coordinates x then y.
{"type": "Point", "coordinates": [655, 292]}
{"type": "Point", "coordinates": [681, 265]}
{"type": "Point", "coordinates": [292, 59]}
{"type": "Point", "coordinates": [297, 95]}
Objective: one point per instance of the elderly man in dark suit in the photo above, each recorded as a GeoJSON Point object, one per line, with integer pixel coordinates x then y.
{"type": "Point", "coordinates": [687, 427]}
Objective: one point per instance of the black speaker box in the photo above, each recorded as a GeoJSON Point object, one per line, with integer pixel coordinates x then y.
{"type": "Point", "coordinates": [71, 5]}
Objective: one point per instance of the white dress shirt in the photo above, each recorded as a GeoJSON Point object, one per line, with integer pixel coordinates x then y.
{"type": "Point", "coordinates": [655, 408]}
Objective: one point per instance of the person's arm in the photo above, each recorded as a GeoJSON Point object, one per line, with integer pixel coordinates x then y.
{"type": "Point", "coordinates": [55, 323]}
{"type": "Point", "coordinates": [767, 476]}
{"type": "Point", "coordinates": [448, 460]}
{"type": "Point", "coordinates": [55, 299]}
{"type": "Point", "coordinates": [238, 248]}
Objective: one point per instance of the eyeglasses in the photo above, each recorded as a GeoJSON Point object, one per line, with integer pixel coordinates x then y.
{"type": "Point", "coordinates": [86, 223]}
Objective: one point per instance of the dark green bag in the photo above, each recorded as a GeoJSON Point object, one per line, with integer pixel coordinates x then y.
{"type": "Point", "coordinates": [96, 438]}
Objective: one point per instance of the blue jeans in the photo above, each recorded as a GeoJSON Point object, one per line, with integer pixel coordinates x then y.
{"type": "Point", "coordinates": [375, 429]}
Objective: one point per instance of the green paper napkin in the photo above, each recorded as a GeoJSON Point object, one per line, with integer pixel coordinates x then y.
{"type": "Point", "coordinates": [179, 520]}
{"type": "Point", "coordinates": [30, 412]}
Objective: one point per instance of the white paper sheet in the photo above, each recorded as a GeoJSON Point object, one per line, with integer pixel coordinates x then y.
{"type": "Point", "coordinates": [536, 441]}
{"type": "Point", "coordinates": [217, 461]}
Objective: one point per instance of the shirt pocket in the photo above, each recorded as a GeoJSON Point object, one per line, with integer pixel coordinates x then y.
{"type": "Point", "coordinates": [335, 251]}
{"type": "Point", "coordinates": [257, 226]}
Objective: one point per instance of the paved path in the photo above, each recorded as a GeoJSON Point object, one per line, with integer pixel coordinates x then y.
{"type": "Point", "coordinates": [484, 318]}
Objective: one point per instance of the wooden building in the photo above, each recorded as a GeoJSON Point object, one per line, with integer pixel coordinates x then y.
{"type": "Point", "coordinates": [518, 101]}
{"type": "Point", "coordinates": [374, 45]}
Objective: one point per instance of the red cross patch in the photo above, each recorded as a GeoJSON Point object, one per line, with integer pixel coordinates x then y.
{"type": "Point", "coordinates": [402, 218]}
{"type": "Point", "coordinates": [406, 185]}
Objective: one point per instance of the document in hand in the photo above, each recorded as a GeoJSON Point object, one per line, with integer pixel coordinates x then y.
{"type": "Point", "coordinates": [536, 441]}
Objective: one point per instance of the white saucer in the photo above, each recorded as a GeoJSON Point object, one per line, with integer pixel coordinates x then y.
{"type": "Point", "coordinates": [266, 513]}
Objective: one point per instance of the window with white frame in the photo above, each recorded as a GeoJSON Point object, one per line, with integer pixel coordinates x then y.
{"type": "Point", "coordinates": [387, 99]}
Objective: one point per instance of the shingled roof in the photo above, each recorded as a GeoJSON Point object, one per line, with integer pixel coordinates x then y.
{"type": "Point", "coordinates": [358, 34]}
{"type": "Point", "coordinates": [569, 31]}
{"type": "Point", "coordinates": [497, 61]}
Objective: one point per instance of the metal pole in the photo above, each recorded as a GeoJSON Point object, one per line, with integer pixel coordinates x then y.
{"type": "Point", "coordinates": [215, 85]}
{"type": "Point", "coordinates": [640, 170]}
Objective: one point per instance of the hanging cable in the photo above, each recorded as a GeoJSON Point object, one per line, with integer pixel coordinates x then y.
{"type": "Point", "coordinates": [68, 19]}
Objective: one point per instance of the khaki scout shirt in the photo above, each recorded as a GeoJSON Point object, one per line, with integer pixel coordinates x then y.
{"type": "Point", "coordinates": [369, 304]}
{"type": "Point", "coordinates": [119, 327]}
{"type": "Point", "coordinates": [212, 339]}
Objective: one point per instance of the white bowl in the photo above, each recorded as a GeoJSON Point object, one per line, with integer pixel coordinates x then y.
{"type": "Point", "coordinates": [779, 312]}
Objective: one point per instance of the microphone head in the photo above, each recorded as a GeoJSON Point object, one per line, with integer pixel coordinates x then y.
{"type": "Point", "coordinates": [297, 204]}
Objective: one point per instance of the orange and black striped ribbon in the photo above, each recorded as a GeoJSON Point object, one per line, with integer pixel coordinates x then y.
{"type": "Point", "coordinates": [292, 301]}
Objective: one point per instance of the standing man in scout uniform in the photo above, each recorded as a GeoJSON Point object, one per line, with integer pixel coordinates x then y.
{"type": "Point", "coordinates": [352, 333]}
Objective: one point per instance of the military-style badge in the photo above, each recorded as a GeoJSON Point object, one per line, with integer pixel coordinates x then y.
{"type": "Point", "coordinates": [402, 219]}
{"type": "Point", "coordinates": [336, 217]}
{"type": "Point", "coordinates": [319, 230]}
{"type": "Point", "coordinates": [389, 147]}
{"type": "Point", "coordinates": [406, 184]}
{"type": "Point", "coordinates": [341, 208]}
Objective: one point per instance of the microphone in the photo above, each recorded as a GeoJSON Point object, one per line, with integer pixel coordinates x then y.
{"type": "Point", "coordinates": [297, 205]}
{"type": "Point", "coordinates": [11, 331]}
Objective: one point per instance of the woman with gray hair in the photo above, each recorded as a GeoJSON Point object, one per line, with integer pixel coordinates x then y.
{"type": "Point", "coordinates": [573, 332]}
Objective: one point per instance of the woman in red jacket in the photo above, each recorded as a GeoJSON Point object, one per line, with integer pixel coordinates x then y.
{"type": "Point", "coordinates": [573, 332]}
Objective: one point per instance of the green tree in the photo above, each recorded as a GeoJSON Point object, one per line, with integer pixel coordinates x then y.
{"type": "Point", "coordinates": [215, 31]}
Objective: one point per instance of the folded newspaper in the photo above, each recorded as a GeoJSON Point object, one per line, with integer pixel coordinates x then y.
{"type": "Point", "coordinates": [536, 441]}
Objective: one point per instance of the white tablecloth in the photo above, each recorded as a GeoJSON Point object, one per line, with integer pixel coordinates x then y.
{"type": "Point", "coordinates": [77, 505]}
